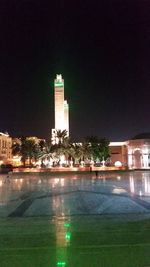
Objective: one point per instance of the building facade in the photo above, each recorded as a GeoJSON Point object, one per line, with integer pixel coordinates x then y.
{"type": "Point", "coordinates": [5, 148]}
{"type": "Point", "coordinates": [139, 153]}
{"type": "Point", "coordinates": [118, 153]}
{"type": "Point", "coordinates": [134, 153]}
{"type": "Point", "coordinates": [61, 108]}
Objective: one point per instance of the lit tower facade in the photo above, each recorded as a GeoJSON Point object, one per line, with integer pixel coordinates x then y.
{"type": "Point", "coordinates": [59, 102]}
{"type": "Point", "coordinates": [61, 108]}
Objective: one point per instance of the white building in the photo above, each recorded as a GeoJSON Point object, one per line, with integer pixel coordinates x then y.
{"type": "Point", "coordinates": [134, 153]}
{"type": "Point", "coordinates": [139, 152]}
{"type": "Point", "coordinates": [5, 148]}
{"type": "Point", "coordinates": [61, 108]}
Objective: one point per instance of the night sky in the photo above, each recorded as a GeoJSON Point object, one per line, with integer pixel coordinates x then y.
{"type": "Point", "coordinates": [102, 49]}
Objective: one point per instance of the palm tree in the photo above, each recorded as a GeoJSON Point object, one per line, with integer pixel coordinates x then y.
{"type": "Point", "coordinates": [27, 149]}
{"type": "Point", "coordinates": [80, 152]}
{"type": "Point", "coordinates": [61, 136]}
{"type": "Point", "coordinates": [46, 151]}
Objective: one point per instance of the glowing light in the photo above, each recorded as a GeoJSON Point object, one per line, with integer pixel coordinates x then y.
{"type": "Point", "coordinates": [68, 236]}
{"type": "Point", "coordinates": [118, 190]}
{"type": "Point", "coordinates": [118, 164]}
{"type": "Point", "coordinates": [61, 263]}
{"type": "Point", "coordinates": [67, 225]}
{"type": "Point", "coordinates": [58, 84]}
{"type": "Point", "coordinates": [137, 149]}
{"type": "Point", "coordinates": [132, 185]}
{"type": "Point", "coordinates": [59, 81]}
{"type": "Point", "coordinates": [62, 181]}
{"type": "Point", "coordinates": [117, 143]}
{"type": "Point", "coordinates": [4, 134]}
{"type": "Point", "coordinates": [56, 180]}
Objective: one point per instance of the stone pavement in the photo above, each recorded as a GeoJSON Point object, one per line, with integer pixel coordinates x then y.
{"type": "Point", "coordinates": [76, 194]}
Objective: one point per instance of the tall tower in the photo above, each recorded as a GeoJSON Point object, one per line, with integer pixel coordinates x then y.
{"type": "Point", "coordinates": [66, 116]}
{"type": "Point", "coordinates": [59, 102]}
{"type": "Point", "coordinates": [61, 108]}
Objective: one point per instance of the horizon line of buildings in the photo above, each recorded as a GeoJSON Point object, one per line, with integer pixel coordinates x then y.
{"type": "Point", "coordinates": [134, 153]}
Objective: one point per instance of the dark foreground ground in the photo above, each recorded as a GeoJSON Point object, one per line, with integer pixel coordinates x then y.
{"type": "Point", "coordinates": [83, 241]}
{"type": "Point", "coordinates": [75, 220]}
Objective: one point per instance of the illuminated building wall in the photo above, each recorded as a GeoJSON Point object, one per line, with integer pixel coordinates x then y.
{"type": "Point", "coordinates": [61, 107]}
{"type": "Point", "coordinates": [5, 148]}
{"type": "Point", "coordinates": [133, 153]}
{"type": "Point", "coordinates": [118, 152]}
{"type": "Point", "coordinates": [66, 116]}
{"type": "Point", "coordinates": [139, 153]}
{"type": "Point", "coordinates": [59, 102]}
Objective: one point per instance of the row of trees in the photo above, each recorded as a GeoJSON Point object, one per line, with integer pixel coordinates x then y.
{"type": "Point", "coordinates": [92, 149]}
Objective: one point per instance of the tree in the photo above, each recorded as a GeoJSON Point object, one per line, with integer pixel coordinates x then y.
{"type": "Point", "coordinates": [27, 149]}
{"type": "Point", "coordinates": [99, 148]}
{"type": "Point", "coordinates": [80, 151]}
{"type": "Point", "coordinates": [61, 136]}
{"type": "Point", "coordinates": [46, 151]}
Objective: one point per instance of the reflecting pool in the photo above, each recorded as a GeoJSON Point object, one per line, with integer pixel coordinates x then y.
{"type": "Point", "coordinates": [75, 219]}
{"type": "Point", "coordinates": [74, 194]}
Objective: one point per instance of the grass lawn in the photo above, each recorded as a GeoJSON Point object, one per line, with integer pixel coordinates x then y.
{"type": "Point", "coordinates": [94, 242]}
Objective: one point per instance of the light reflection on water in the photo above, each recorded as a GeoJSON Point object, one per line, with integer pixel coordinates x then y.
{"type": "Point", "coordinates": [125, 183]}
{"type": "Point", "coordinates": [135, 183]}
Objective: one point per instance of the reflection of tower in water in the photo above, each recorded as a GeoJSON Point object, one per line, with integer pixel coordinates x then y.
{"type": "Point", "coordinates": [62, 229]}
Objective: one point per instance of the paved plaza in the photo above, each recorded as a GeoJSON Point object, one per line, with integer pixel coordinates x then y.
{"type": "Point", "coordinates": [75, 194]}
{"type": "Point", "coordinates": [80, 220]}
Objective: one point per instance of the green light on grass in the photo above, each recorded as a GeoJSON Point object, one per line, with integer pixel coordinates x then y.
{"type": "Point", "coordinates": [67, 236]}
{"type": "Point", "coordinates": [61, 263]}
{"type": "Point", "coordinates": [67, 225]}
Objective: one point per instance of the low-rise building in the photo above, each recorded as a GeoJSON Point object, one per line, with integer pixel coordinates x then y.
{"type": "Point", "coordinates": [118, 153]}
{"type": "Point", "coordinates": [134, 153]}
{"type": "Point", "coordinates": [139, 152]}
{"type": "Point", "coordinates": [5, 148]}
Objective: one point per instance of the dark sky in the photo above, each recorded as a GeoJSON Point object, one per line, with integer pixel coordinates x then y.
{"type": "Point", "coordinates": [102, 49]}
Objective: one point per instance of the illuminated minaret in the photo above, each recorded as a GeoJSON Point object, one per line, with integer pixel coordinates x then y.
{"type": "Point", "coordinates": [66, 116]}
{"type": "Point", "coordinates": [61, 107]}
{"type": "Point", "coordinates": [59, 102]}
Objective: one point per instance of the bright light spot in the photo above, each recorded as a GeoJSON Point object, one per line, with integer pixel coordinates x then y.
{"type": "Point", "coordinates": [118, 177]}
{"type": "Point", "coordinates": [132, 184]}
{"type": "Point", "coordinates": [67, 236]}
{"type": "Point", "coordinates": [140, 193]}
{"type": "Point", "coordinates": [1, 183]}
{"type": "Point", "coordinates": [118, 164]}
{"type": "Point", "coordinates": [137, 149]}
{"type": "Point", "coordinates": [67, 225]}
{"type": "Point", "coordinates": [62, 181]}
{"type": "Point", "coordinates": [118, 190]}
{"type": "Point", "coordinates": [61, 263]}
{"type": "Point", "coordinates": [56, 180]}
